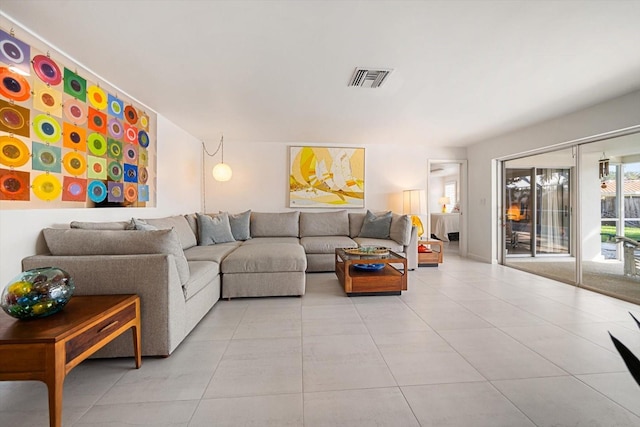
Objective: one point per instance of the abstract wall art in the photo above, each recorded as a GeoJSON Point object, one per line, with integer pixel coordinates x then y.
{"type": "Point", "coordinates": [67, 139]}
{"type": "Point", "coordinates": [326, 177]}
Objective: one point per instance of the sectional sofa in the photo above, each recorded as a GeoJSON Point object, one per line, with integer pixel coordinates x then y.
{"type": "Point", "coordinates": [180, 266]}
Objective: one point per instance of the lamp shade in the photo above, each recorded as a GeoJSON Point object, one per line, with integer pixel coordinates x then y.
{"type": "Point", "coordinates": [513, 213]}
{"type": "Point", "coordinates": [414, 202]}
{"type": "Point", "coordinates": [221, 172]}
{"type": "Point", "coordinates": [444, 201]}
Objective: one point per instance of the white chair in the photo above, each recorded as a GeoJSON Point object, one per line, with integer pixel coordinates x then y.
{"type": "Point", "coordinates": [631, 262]}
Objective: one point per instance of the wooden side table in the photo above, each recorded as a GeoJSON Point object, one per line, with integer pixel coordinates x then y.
{"type": "Point", "coordinates": [47, 349]}
{"type": "Point", "coordinates": [433, 258]}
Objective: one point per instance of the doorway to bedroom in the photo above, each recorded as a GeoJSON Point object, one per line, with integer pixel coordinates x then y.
{"type": "Point", "coordinates": [445, 204]}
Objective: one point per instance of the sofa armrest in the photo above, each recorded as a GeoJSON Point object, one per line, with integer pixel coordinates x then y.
{"type": "Point", "coordinates": [153, 277]}
{"type": "Point", "coordinates": [411, 250]}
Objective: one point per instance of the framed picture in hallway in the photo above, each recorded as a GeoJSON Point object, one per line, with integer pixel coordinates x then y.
{"type": "Point", "coordinates": [326, 177]}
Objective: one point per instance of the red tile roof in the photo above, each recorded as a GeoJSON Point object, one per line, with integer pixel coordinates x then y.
{"type": "Point", "coordinates": [631, 187]}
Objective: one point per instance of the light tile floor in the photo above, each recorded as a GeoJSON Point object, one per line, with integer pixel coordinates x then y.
{"type": "Point", "coordinates": [470, 344]}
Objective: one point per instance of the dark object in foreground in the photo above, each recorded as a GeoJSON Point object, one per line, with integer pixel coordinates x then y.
{"type": "Point", "coordinates": [632, 362]}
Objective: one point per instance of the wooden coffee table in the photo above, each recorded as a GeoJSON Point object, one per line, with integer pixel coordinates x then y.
{"type": "Point", "coordinates": [47, 349]}
{"type": "Point", "coordinates": [390, 280]}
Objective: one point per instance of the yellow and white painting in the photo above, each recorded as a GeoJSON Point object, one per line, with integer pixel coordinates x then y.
{"type": "Point", "coordinates": [326, 177]}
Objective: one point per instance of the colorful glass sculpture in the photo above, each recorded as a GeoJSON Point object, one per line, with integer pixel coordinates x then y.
{"type": "Point", "coordinates": [37, 293]}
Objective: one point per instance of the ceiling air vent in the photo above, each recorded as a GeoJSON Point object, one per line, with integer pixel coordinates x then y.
{"type": "Point", "coordinates": [363, 77]}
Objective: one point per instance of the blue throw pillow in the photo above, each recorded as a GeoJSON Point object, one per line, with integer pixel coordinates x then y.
{"type": "Point", "coordinates": [214, 229]}
{"type": "Point", "coordinates": [376, 226]}
{"type": "Point", "coordinates": [240, 225]}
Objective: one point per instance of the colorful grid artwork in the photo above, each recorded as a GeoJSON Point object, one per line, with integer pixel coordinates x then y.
{"type": "Point", "coordinates": [14, 119]}
{"type": "Point", "coordinates": [68, 140]}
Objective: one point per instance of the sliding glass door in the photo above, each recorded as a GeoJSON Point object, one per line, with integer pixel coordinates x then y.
{"type": "Point", "coordinates": [610, 216]}
{"type": "Point", "coordinates": [574, 215]}
{"type": "Point", "coordinates": [537, 219]}
{"type": "Point", "coordinates": [518, 221]}
{"type": "Point", "coordinates": [552, 210]}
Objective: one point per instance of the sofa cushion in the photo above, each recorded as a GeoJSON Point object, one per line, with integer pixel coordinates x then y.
{"type": "Point", "coordinates": [266, 240]}
{"type": "Point", "coordinates": [202, 273]}
{"type": "Point", "coordinates": [115, 225]}
{"type": "Point", "coordinates": [179, 222]}
{"type": "Point", "coordinates": [72, 242]}
{"type": "Point", "coordinates": [376, 226]}
{"type": "Point", "coordinates": [326, 244]}
{"type": "Point", "coordinates": [279, 224]}
{"type": "Point", "coordinates": [240, 225]}
{"type": "Point", "coordinates": [274, 257]}
{"type": "Point", "coordinates": [400, 230]}
{"type": "Point", "coordinates": [355, 223]}
{"type": "Point", "coordinates": [215, 253]}
{"type": "Point", "coordinates": [214, 229]}
{"type": "Point", "coordinates": [324, 223]}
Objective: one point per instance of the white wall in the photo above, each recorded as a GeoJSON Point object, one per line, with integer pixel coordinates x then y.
{"type": "Point", "coordinates": [260, 175]}
{"type": "Point", "coordinates": [615, 114]}
{"type": "Point", "coordinates": [179, 191]}
{"type": "Point", "coordinates": [260, 179]}
{"type": "Point", "coordinates": [436, 190]}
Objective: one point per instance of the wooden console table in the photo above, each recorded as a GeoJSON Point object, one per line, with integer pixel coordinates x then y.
{"type": "Point", "coordinates": [47, 349]}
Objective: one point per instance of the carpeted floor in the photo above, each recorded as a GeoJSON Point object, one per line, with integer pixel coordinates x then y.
{"type": "Point", "coordinates": [606, 277]}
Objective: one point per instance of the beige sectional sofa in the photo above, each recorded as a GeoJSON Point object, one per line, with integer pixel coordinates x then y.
{"type": "Point", "coordinates": [180, 266]}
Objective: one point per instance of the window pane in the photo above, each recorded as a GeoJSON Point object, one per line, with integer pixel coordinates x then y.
{"type": "Point", "coordinates": [450, 192]}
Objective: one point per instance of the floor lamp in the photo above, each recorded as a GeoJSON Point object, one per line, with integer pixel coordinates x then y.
{"type": "Point", "coordinates": [414, 204]}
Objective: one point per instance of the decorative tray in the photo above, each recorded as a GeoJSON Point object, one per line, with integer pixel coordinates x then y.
{"type": "Point", "coordinates": [368, 250]}
{"type": "Point", "coordinates": [369, 267]}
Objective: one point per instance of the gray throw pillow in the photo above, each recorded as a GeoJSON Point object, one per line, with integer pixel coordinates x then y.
{"type": "Point", "coordinates": [141, 224]}
{"type": "Point", "coordinates": [181, 225]}
{"type": "Point", "coordinates": [214, 229]}
{"type": "Point", "coordinates": [400, 230]}
{"type": "Point", "coordinates": [376, 226]}
{"type": "Point", "coordinates": [240, 225]}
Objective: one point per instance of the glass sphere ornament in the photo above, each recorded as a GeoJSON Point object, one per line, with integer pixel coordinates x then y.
{"type": "Point", "coordinates": [39, 292]}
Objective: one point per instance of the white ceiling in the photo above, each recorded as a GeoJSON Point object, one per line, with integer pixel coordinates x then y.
{"type": "Point", "coordinates": [277, 71]}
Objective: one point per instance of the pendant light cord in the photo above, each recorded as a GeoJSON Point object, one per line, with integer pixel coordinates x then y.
{"type": "Point", "coordinates": [204, 147]}
{"type": "Point", "coordinates": [220, 145]}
